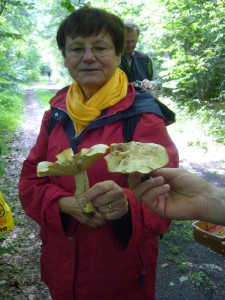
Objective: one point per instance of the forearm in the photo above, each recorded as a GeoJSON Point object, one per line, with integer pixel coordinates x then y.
{"type": "Point", "coordinates": [215, 212]}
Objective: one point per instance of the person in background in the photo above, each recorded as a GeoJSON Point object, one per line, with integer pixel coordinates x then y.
{"type": "Point", "coordinates": [139, 66]}
{"type": "Point", "coordinates": [180, 195]}
{"type": "Point", "coordinates": [113, 254]}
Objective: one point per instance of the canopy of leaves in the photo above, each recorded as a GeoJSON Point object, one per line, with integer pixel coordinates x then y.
{"type": "Point", "coordinates": [193, 47]}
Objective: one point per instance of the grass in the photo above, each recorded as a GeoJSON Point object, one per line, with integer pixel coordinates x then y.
{"type": "Point", "coordinates": [11, 110]}
{"type": "Point", "coordinates": [43, 97]}
{"type": "Point", "coordinates": [200, 279]}
{"type": "Point", "coordinates": [181, 229]}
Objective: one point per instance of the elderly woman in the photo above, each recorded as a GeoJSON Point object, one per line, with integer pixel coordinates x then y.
{"type": "Point", "coordinates": [113, 254]}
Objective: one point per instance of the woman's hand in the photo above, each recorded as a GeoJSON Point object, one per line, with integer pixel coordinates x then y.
{"type": "Point", "coordinates": [70, 206]}
{"type": "Point", "coordinates": [108, 199]}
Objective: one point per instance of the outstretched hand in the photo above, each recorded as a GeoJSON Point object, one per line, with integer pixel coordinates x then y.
{"type": "Point", "coordinates": [172, 193]}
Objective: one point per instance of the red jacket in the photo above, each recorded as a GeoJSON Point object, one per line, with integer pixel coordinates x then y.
{"type": "Point", "coordinates": [83, 263]}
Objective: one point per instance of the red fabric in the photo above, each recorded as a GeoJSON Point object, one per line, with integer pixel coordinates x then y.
{"type": "Point", "coordinates": [82, 263]}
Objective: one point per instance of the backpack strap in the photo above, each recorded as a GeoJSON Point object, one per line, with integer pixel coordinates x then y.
{"type": "Point", "coordinates": [129, 125]}
{"type": "Point", "coordinates": [143, 103]}
{"type": "Point", "coordinates": [58, 115]}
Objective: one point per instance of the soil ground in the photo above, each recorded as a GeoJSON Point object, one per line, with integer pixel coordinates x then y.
{"type": "Point", "coordinates": [186, 269]}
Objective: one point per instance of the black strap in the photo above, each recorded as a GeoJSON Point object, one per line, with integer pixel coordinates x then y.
{"type": "Point", "coordinates": [129, 125]}
{"type": "Point", "coordinates": [58, 115]}
{"type": "Point", "coordinates": [145, 102]}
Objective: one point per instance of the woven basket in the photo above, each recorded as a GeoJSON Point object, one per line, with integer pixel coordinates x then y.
{"type": "Point", "coordinates": [209, 239]}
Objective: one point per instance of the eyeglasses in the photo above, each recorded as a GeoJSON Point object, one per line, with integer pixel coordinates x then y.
{"type": "Point", "coordinates": [99, 51]}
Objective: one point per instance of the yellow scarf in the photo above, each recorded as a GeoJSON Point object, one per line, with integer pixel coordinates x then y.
{"type": "Point", "coordinates": [84, 112]}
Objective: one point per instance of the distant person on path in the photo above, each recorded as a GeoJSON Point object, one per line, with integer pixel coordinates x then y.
{"type": "Point", "coordinates": [49, 73]}
{"type": "Point", "coordinates": [180, 195]}
{"type": "Point", "coordinates": [113, 254]}
{"type": "Point", "coordinates": [138, 65]}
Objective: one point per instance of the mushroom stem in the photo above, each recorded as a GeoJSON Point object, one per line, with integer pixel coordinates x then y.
{"type": "Point", "coordinates": [82, 185]}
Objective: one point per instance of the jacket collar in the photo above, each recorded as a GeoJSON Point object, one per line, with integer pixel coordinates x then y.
{"type": "Point", "coordinates": [59, 100]}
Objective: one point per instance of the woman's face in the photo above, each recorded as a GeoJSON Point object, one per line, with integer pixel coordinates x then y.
{"type": "Point", "coordinates": [91, 61]}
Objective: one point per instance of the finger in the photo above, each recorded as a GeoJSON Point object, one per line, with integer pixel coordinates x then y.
{"type": "Point", "coordinates": [115, 215]}
{"type": "Point", "coordinates": [156, 193]}
{"type": "Point", "coordinates": [94, 224]}
{"type": "Point", "coordinates": [95, 191]}
{"type": "Point", "coordinates": [107, 209]}
{"type": "Point", "coordinates": [95, 221]}
{"type": "Point", "coordinates": [115, 195]}
{"type": "Point", "coordinates": [168, 173]}
{"type": "Point", "coordinates": [147, 186]}
{"type": "Point", "coordinates": [134, 179]}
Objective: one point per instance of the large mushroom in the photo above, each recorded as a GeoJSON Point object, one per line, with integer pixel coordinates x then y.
{"type": "Point", "coordinates": [136, 157]}
{"type": "Point", "coordinates": [123, 158]}
{"type": "Point", "coordinates": [69, 164]}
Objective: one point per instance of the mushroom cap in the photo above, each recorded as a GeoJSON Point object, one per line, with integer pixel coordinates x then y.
{"type": "Point", "coordinates": [69, 164]}
{"type": "Point", "coordinates": [136, 157]}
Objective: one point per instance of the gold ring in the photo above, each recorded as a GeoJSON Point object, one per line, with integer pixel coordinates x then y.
{"type": "Point", "coordinates": [110, 208]}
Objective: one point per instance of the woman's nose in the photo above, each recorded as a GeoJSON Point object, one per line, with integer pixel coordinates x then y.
{"type": "Point", "coordinates": [88, 55]}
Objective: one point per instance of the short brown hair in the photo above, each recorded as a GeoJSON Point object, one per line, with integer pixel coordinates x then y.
{"type": "Point", "coordinates": [130, 26]}
{"type": "Point", "coordinates": [87, 21]}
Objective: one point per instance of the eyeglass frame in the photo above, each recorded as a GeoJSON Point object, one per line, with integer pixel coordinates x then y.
{"type": "Point", "coordinates": [93, 50]}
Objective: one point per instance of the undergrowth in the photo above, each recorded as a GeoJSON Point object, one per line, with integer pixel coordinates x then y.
{"type": "Point", "coordinates": [11, 113]}
{"type": "Point", "coordinates": [204, 120]}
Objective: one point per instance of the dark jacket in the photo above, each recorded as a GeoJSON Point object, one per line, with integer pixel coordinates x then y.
{"type": "Point", "coordinates": [142, 67]}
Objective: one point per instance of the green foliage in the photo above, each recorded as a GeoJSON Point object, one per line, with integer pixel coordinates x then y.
{"type": "Point", "coordinates": [3, 250]}
{"type": "Point", "coordinates": [193, 47]}
{"type": "Point", "coordinates": [182, 229]}
{"type": "Point", "coordinates": [200, 279]}
{"type": "Point", "coordinates": [191, 57]}
{"type": "Point", "coordinates": [9, 113]}
{"type": "Point", "coordinates": [11, 108]}
{"type": "Point", "coordinates": [43, 97]}
{"type": "Point", "coordinates": [67, 5]}
{"type": "Point", "coordinates": [18, 54]}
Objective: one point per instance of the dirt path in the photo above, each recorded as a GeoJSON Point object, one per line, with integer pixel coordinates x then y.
{"type": "Point", "coordinates": [186, 270]}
